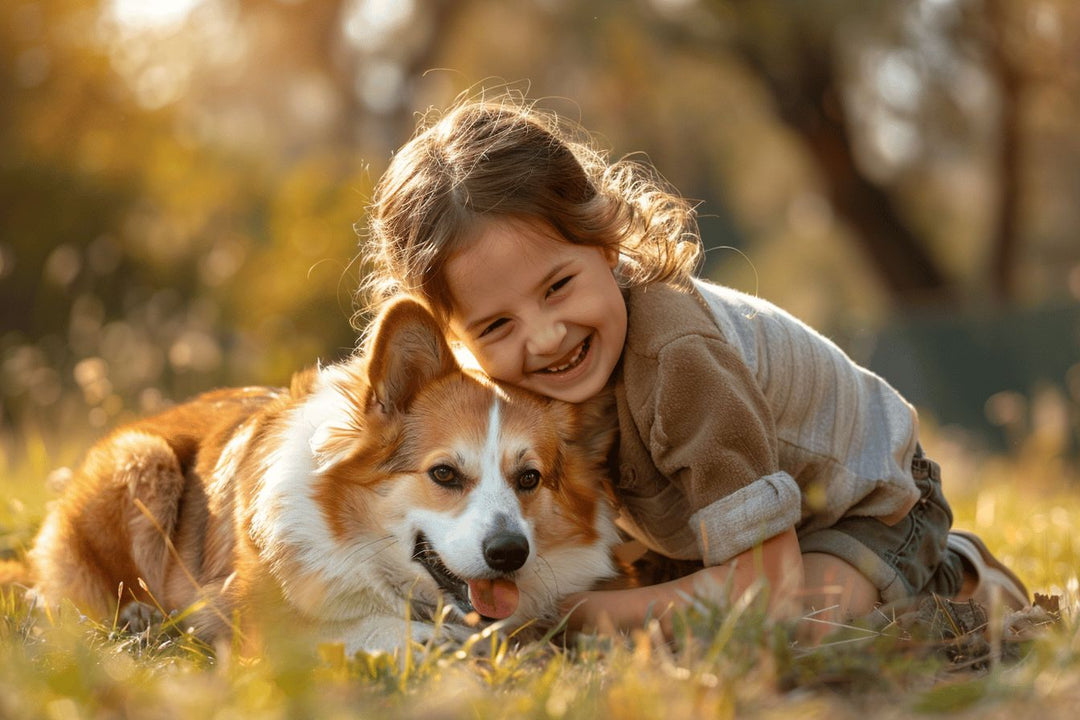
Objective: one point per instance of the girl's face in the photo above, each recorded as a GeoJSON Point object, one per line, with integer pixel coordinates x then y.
{"type": "Point", "coordinates": [537, 311]}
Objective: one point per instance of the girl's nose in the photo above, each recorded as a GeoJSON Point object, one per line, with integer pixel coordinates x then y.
{"type": "Point", "coordinates": [545, 338]}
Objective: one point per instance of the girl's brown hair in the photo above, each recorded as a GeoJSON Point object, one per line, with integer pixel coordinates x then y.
{"type": "Point", "coordinates": [483, 159]}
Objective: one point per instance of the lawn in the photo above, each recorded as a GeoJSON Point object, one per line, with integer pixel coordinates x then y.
{"type": "Point", "coordinates": [728, 662]}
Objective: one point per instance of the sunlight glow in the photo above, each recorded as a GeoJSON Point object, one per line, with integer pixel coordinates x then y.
{"type": "Point", "coordinates": [152, 13]}
{"type": "Point", "coordinates": [370, 24]}
{"type": "Point", "coordinates": [673, 5]}
{"type": "Point", "coordinates": [379, 85]}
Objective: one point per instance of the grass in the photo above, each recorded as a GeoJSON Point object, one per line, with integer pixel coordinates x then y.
{"type": "Point", "coordinates": [728, 662]}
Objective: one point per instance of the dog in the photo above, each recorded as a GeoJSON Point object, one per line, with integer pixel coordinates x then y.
{"type": "Point", "coordinates": [373, 500]}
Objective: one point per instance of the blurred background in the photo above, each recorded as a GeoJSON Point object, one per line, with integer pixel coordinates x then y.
{"type": "Point", "coordinates": [180, 179]}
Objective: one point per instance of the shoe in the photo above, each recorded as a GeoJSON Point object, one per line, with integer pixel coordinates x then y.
{"type": "Point", "coordinates": [990, 572]}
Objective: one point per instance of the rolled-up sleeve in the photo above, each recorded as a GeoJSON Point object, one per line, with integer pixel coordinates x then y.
{"type": "Point", "coordinates": [761, 510]}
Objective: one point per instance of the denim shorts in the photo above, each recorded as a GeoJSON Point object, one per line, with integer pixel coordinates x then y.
{"type": "Point", "coordinates": [906, 559]}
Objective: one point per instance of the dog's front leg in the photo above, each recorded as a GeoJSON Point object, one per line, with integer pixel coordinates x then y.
{"type": "Point", "coordinates": [386, 633]}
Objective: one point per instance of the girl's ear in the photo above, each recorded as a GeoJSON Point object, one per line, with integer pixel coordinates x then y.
{"type": "Point", "coordinates": [407, 351]}
{"type": "Point", "coordinates": [611, 254]}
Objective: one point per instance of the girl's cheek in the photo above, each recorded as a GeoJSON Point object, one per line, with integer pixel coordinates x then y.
{"type": "Point", "coordinates": [481, 359]}
{"type": "Point", "coordinates": [492, 367]}
{"type": "Point", "coordinates": [496, 367]}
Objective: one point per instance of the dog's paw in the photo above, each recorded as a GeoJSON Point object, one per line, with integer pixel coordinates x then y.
{"type": "Point", "coordinates": [389, 635]}
{"type": "Point", "coordinates": [137, 617]}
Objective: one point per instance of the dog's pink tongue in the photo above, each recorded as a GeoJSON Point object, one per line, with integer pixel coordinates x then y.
{"type": "Point", "coordinates": [496, 598]}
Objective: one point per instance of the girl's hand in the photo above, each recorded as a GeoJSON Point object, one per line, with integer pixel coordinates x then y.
{"type": "Point", "coordinates": [777, 561]}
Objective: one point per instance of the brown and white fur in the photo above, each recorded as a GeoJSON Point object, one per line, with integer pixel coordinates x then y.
{"type": "Point", "coordinates": [342, 500]}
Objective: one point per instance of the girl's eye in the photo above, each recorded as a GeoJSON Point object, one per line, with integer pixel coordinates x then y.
{"type": "Point", "coordinates": [529, 479]}
{"type": "Point", "coordinates": [559, 285]}
{"type": "Point", "coordinates": [445, 475]}
{"type": "Point", "coordinates": [493, 327]}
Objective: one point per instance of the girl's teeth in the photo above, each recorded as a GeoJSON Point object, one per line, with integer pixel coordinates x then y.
{"type": "Point", "coordinates": [574, 360]}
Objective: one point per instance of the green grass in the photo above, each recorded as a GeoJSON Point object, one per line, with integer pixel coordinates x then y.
{"type": "Point", "coordinates": [727, 662]}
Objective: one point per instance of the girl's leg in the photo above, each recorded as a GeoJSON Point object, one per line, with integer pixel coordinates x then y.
{"type": "Point", "coordinates": [835, 593]}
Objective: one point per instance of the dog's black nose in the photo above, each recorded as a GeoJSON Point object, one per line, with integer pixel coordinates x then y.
{"type": "Point", "coordinates": [506, 551]}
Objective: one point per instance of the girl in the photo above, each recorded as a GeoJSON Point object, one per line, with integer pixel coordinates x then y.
{"type": "Point", "coordinates": [748, 442]}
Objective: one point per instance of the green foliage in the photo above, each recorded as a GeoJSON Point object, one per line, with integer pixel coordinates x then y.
{"type": "Point", "coordinates": [178, 199]}
{"type": "Point", "coordinates": [139, 263]}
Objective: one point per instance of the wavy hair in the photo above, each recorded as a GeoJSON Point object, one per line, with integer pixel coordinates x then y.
{"type": "Point", "coordinates": [483, 159]}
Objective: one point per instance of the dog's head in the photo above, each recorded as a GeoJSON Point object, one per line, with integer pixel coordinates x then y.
{"type": "Point", "coordinates": [439, 487]}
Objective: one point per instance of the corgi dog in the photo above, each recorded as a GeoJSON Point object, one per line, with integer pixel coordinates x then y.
{"type": "Point", "coordinates": [372, 500]}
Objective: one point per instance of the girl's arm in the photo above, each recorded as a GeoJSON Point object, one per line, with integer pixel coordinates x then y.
{"type": "Point", "coordinates": [777, 561]}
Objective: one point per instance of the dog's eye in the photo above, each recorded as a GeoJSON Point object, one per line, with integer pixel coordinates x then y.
{"type": "Point", "coordinates": [529, 479]}
{"type": "Point", "coordinates": [444, 475]}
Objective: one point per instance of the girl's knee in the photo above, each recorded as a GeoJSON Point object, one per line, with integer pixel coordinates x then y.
{"type": "Point", "coordinates": [834, 586]}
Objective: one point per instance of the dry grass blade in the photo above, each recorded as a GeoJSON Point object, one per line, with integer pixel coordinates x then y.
{"type": "Point", "coordinates": [725, 662]}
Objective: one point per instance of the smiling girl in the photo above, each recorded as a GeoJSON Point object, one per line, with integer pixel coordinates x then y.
{"type": "Point", "coordinates": [748, 442]}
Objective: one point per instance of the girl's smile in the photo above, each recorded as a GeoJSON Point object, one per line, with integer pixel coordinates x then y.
{"type": "Point", "coordinates": [574, 360]}
{"type": "Point", "coordinates": [537, 311]}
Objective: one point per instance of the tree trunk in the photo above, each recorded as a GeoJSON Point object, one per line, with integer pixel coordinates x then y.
{"type": "Point", "coordinates": [1004, 242]}
{"type": "Point", "coordinates": [808, 100]}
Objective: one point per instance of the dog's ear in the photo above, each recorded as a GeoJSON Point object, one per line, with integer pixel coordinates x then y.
{"type": "Point", "coordinates": [406, 351]}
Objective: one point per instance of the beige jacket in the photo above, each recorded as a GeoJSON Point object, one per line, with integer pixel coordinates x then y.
{"type": "Point", "coordinates": [737, 421]}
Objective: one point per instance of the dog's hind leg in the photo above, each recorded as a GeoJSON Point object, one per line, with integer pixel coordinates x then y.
{"type": "Point", "coordinates": [138, 617]}
{"type": "Point", "coordinates": [109, 528]}
{"type": "Point", "coordinates": [126, 497]}
{"type": "Point", "coordinates": [147, 467]}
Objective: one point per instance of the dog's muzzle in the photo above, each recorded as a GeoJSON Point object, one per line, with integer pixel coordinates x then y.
{"type": "Point", "coordinates": [491, 598]}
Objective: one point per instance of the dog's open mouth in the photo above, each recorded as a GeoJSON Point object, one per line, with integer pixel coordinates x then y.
{"type": "Point", "coordinates": [491, 598]}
